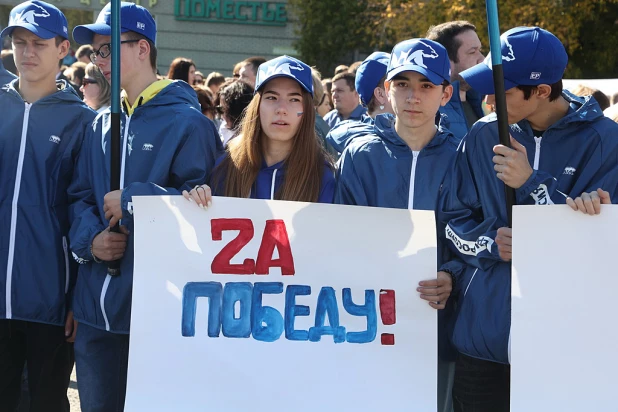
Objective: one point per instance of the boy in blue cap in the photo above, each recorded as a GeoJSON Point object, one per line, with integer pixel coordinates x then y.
{"type": "Point", "coordinates": [369, 83]}
{"type": "Point", "coordinates": [564, 151]}
{"type": "Point", "coordinates": [403, 161]}
{"type": "Point", "coordinates": [41, 133]}
{"type": "Point", "coordinates": [167, 146]}
{"type": "Point", "coordinates": [401, 147]}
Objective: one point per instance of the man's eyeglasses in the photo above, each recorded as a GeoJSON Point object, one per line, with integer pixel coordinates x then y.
{"type": "Point", "coordinates": [87, 80]}
{"type": "Point", "coordinates": [106, 49]}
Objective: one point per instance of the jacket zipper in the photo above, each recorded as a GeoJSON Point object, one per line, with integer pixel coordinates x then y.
{"type": "Point", "coordinates": [108, 277]}
{"type": "Point", "coordinates": [65, 247]}
{"type": "Point", "coordinates": [13, 229]}
{"type": "Point", "coordinates": [537, 152]}
{"type": "Point", "coordinates": [412, 178]}
{"type": "Point", "coordinates": [469, 283]}
{"type": "Point", "coordinates": [272, 185]}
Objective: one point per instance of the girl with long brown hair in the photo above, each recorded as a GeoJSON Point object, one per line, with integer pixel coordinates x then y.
{"type": "Point", "coordinates": [277, 154]}
{"type": "Point", "coordinates": [182, 68]}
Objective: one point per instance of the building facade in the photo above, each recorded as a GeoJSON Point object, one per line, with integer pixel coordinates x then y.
{"type": "Point", "coordinates": [215, 34]}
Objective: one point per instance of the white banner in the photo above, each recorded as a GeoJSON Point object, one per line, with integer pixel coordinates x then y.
{"type": "Point", "coordinates": [271, 306]}
{"type": "Point", "coordinates": [564, 334]}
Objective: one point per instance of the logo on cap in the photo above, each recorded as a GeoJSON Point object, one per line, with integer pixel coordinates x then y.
{"type": "Point", "coordinates": [535, 76]}
{"type": "Point", "coordinates": [141, 26]}
{"type": "Point", "coordinates": [511, 55]}
{"type": "Point", "coordinates": [418, 55]}
{"type": "Point", "coordinates": [28, 16]}
{"type": "Point", "coordinates": [104, 17]}
{"type": "Point", "coordinates": [283, 69]}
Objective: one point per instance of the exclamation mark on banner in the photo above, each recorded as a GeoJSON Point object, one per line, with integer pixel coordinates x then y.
{"type": "Point", "coordinates": [387, 312]}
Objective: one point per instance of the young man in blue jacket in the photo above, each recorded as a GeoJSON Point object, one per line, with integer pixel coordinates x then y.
{"type": "Point", "coordinates": [564, 151]}
{"type": "Point", "coordinates": [167, 146]}
{"type": "Point", "coordinates": [403, 161]}
{"type": "Point", "coordinates": [41, 133]}
{"type": "Point", "coordinates": [346, 100]}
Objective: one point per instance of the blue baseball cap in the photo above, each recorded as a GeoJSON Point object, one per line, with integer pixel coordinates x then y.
{"type": "Point", "coordinates": [42, 19]}
{"type": "Point", "coordinates": [133, 18]}
{"type": "Point", "coordinates": [369, 73]}
{"type": "Point", "coordinates": [285, 66]}
{"type": "Point", "coordinates": [423, 56]}
{"type": "Point", "coordinates": [530, 56]}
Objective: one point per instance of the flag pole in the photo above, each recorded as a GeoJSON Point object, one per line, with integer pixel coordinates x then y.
{"type": "Point", "coordinates": [113, 268]}
{"type": "Point", "coordinates": [498, 74]}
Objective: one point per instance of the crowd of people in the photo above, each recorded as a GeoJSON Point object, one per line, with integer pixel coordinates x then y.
{"type": "Point", "coordinates": [410, 129]}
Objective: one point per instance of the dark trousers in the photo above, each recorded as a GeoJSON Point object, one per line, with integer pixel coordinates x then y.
{"type": "Point", "coordinates": [101, 360]}
{"type": "Point", "coordinates": [481, 386]}
{"type": "Point", "coordinates": [49, 359]}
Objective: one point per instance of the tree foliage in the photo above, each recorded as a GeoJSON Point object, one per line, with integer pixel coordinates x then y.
{"type": "Point", "coordinates": [588, 28]}
{"type": "Point", "coordinates": [329, 30]}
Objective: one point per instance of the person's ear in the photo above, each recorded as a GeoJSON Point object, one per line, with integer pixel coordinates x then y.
{"type": "Point", "coordinates": [380, 95]}
{"type": "Point", "coordinates": [543, 91]}
{"type": "Point", "coordinates": [446, 95]}
{"type": "Point", "coordinates": [387, 90]}
{"type": "Point", "coordinates": [63, 49]}
{"type": "Point", "coordinates": [144, 49]}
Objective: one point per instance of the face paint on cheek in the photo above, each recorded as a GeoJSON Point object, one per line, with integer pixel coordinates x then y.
{"type": "Point", "coordinates": [299, 114]}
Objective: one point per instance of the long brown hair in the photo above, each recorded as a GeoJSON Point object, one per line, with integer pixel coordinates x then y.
{"type": "Point", "coordinates": [304, 167]}
{"type": "Point", "coordinates": [179, 69]}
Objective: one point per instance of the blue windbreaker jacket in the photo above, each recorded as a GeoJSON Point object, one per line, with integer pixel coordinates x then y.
{"type": "Point", "coordinates": [577, 154]}
{"type": "Point", "coordinates": [340, 136]}
{"type": "Point", "coordinates": [5, 75]}
{"type": "Point", "coordinates": [333, 118]}
{"type": "Point", "coordinates": [270, 179]}
{"type": "Point", "coordinates": [454, 117]}
{"type": "Point", "coordinates": [168, 146]}
{"type": "Point", "coordinates": [39, 146]}
{"type": "Point", "coordinates": [380, 170]}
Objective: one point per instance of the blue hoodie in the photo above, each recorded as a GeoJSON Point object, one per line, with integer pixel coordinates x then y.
{"type": "Point", "coordinates": [333, 118]}
{"type": "Point", "coordinates": [344, 132]}
{"type": "Point", "coordinates": [39, 146]}
{"type": "Point", "coordinates": [5, 75]}
{"type": "Point", "coordinates": [168, 146]}
{"type": "Point", "coordinates": [270, 179]}
{"type": "Point", "coordinates": [453, 113]}
{"type": "Point", "coordinates": [380, 170]}
{"type": "Point", "coordinates": [578, 153]}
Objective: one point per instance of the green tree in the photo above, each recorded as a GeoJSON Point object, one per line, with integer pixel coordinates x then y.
{"type": "Point", "coordinates": [329, 30]}
{"type": "Point", "coordinates": [587, 28]}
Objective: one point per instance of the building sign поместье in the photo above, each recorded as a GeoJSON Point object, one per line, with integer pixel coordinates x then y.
{"type": "Point", "coordinates": [231, 11]}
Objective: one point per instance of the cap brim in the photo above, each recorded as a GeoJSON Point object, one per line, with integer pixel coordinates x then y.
{"type": "Point", "coordinates": [481, 79]}
{"type": "Point", "coordinates": [274, 76]}
{"type": "Point", "coordinates": [84, 34]}
{"type": "Point", "coordinates": [36, 30]}
{"type": "Point", "coordinates": [434, 78]}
